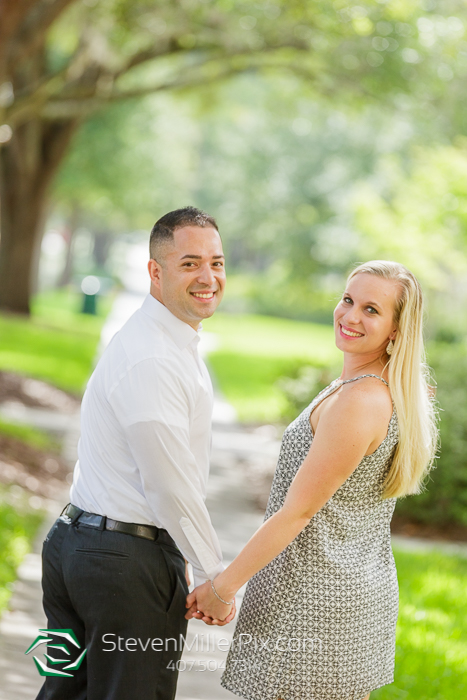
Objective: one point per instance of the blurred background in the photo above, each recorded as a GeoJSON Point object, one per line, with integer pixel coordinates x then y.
{"type": "Point", "coordinates": [319, 135]}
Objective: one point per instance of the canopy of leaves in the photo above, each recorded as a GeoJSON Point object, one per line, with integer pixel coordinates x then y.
{"type": "Point", "coordinates": [98, 52]}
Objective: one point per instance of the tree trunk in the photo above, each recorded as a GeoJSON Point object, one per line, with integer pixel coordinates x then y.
{"type": "Point", "coordinates": [27, 165]}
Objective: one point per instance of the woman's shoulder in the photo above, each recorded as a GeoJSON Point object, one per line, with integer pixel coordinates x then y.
{"type": "Point", "coordinates": [368, 394]}
{"type": "Point", "coordinates": [361, 409]}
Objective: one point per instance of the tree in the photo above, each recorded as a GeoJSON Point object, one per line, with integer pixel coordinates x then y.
{"type": "Point", "coordinates": [62, 60]}
{"type": "Point", "coordinates": [36, 147]}
{"type": "Point", "coordinates": [55, 73]}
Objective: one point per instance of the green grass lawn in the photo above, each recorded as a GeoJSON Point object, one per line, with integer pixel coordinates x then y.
{"type": "Point", "coordinates": [18, 526]}
{"type": "Point", "coordinates": [29, 435]}
{"type": "Point", "coordinates": [252, 352]}
{"type": "Point", "coordinates": [57, 344]}
{"type": "Point", "coordinates": [431, 654]}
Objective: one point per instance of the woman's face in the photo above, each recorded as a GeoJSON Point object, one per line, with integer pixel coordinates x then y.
{"type": "Point", "coordinates": [364, 318]}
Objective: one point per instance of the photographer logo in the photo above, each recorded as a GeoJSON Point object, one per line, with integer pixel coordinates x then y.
{"type": "Point", "coordinates": [60, 640]}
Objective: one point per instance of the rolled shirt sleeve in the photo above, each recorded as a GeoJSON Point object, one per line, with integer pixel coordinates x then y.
{"type": "Point", "coordinates": [155, 409]}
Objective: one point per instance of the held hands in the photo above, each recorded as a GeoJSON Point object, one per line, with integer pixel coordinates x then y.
{"type": "Point", "coordinates": [204, 605]}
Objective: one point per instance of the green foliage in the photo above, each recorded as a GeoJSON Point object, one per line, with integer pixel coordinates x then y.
{"type": "Point", "coordinates": [431, 643]}
{"type": "Point", "coordinates": [370, 49]}
{"type": "Point", "coordinates": [18, 526]}
{"type": "Point", "coordinates": [281, 169]}
{"type": "Point", "coordinates": [301, 191]}
{"type": "Point", "coordinates": [128, 166]}
{"type": "Point", "coordinates": [250, 353]}
{"type": "Point", "coordinates": [299, 390]}
{"type": "Point", "coordinates": [284, 166]}
{"type": "Point", "coordinates": [279, 291]}
{"type": "Point", "coordinates": [445, 499]}
{"type": "Point", "coordinates": [426, 207]}
{"type": "Point", "coordinates": [58, 344]}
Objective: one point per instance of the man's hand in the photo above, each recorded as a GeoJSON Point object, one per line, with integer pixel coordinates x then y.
{"type": "Point", "coordinates": [204, 605]}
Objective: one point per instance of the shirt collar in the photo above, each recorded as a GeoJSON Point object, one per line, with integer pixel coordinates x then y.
{"type": "Point", "coordinates": [182, 333]}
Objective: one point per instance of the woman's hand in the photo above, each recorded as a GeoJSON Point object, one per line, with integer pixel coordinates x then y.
{"type": "Point", "coordinates": [204, 605]}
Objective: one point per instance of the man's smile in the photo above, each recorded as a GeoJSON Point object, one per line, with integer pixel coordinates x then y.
{"type": "Point", "coordinates": [203, 295]}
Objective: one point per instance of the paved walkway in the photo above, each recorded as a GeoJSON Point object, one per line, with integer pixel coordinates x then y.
{"type": "Point", "coordinates": [235, 517]}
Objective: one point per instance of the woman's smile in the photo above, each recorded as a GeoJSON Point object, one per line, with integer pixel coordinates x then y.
{"type": "Point", "coordinates": [347, 332]}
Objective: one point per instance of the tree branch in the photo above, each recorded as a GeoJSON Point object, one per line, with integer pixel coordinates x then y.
{"type": "Point", "coordinates": [174, 47]}
{"type": "Point", "coordinates": [78, 97]}
{"type": "Point", "coordinates": [69, 109]}
{"type": "Point", "coordinates": [149, 54]}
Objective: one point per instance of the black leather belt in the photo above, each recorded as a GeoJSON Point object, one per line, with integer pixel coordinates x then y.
{"type": "Point", "coordinates": [147, 532]}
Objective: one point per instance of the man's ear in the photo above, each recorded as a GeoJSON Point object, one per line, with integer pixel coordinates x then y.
{"type": "Point", "coordinates": [154, 269]}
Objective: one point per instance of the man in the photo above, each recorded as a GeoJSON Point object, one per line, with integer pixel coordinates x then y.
{"type": "Point", "coordinates": [113, 563]}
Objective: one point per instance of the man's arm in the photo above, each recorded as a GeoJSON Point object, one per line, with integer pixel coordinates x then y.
{"type": "Point", "coordinates": [153, 408]}
{"type": "Point", "coordinates": [167, 470]}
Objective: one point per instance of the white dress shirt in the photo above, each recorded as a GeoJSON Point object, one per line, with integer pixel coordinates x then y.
{"type": "Point", "coordinates": [143, 456]}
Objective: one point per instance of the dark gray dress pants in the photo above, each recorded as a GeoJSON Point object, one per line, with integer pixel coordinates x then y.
{"type": "Point", "coordinates": [109, 588]}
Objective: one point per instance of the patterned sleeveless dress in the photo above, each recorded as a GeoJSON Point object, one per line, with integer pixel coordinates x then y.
{"type": "Point", "coordinates": [319, 621]}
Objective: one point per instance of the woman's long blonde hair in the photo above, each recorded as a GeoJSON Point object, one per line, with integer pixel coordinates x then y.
{"type": "Point", "coordinates": [408, 381]}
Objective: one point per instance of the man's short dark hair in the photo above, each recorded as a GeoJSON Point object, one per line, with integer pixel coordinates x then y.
{"type": "Point", "coordinates": [163, 230]}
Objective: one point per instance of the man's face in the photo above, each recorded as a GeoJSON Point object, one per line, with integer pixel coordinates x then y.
{"type": "Point", "coordinates": [189, 279]}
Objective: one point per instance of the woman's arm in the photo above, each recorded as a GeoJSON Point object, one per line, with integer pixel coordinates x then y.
{"type": "Point", "coordinates": [349, 423]}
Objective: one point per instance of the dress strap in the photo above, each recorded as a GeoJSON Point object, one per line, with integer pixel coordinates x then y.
{"type": "Point", "coordinates": [346, 381]}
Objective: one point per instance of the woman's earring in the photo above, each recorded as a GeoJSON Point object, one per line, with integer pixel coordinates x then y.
{"type": "Point", "coordinates": [390, 347]}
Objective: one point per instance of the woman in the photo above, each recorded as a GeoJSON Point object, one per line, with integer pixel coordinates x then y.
{"type": "Point", "coordinates": [318, 621]}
